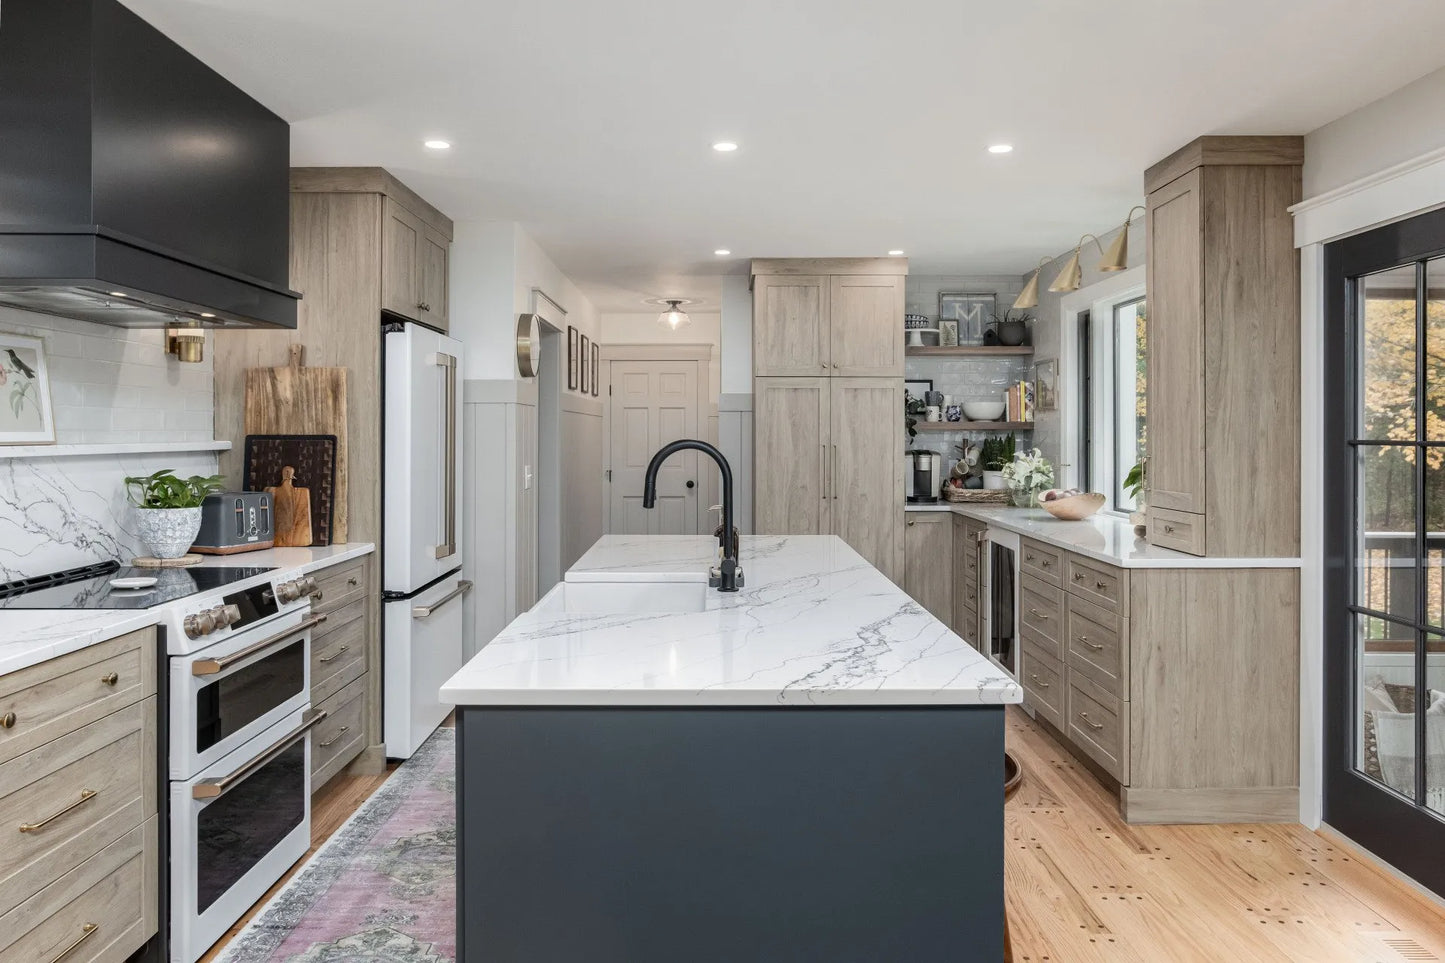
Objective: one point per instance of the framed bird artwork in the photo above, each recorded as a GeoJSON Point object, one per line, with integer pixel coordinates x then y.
{"type": "Point", "coordinates": [26, 417]}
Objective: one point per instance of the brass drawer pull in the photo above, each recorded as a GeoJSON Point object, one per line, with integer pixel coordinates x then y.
{"type": "Point", "coordinates": [353, 581]}
{"type": "Point", "coordinates": [318, 595]}
{"type": "Point", "coordinates": [1092, 725]}
{"type": "Point", "coordinates": [1039, 615]}
{"type": "Point", "coordinates": [86, 932]}
{"type": "Point", "coordinates": [1168, 529]}
{"type": "Point", "coordinates": [7, 721]}
{"type": "Point", "coordinates": [1040, 682]}
{"type": "Point", "coordinates": [1101, 586]}
{"type": "Point", "coordinates": [1093, 645]}
{"type": "Point", "coordinates": [110, 678]}
{"type": "Point", "coordinates": [339, 733]}
{"type": "Point", "coordinates": [86, 795]}
{"type": "Point", "coordinates": [333, 658]}
{"type": "Point", "coordinates": [1078, 576]}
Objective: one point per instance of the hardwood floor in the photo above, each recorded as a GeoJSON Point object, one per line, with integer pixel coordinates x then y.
{"type": "Point", "coordinates": [1083, 886]}
{"type": "Point", "coordinates": [330, 807]}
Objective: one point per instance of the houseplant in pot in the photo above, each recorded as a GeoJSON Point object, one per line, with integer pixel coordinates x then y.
{"type": "Point", "coordinates": [997, 454]}
{"type": "Point", "coordinates": [1134, 485]}
{"type": "Point", "coordinates": [168, 509]}
{"type": "Point", "coordinates": [1027, 475]}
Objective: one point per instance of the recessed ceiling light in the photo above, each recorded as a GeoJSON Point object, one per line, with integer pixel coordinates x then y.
{"type": "Point", "coordinates": [439, 145]}
{"type": "Point", "coordinates": [1000, 148]}
{"type": "Point", "coordinates": [722, 252]}
{"type": "Point", "coordinates": [207, 314]}
{"type": "Point", "coordinates": [724, 146]}
{"type": "Point", "coordinates": [895, 253]}
{"type": "Point", "coordinates": [117, 294]}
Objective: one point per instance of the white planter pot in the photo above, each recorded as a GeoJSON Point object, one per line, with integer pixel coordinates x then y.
{"type": "Point", "coordinates": [994, 481]}
{"type": "Point", "coordinates": [168, 532]}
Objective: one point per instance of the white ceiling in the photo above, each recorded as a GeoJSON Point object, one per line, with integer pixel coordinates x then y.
{"type": "Point", "coordinates": [862, 125]}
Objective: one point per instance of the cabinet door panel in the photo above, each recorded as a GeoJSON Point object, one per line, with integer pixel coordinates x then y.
{"type": "Point", "coordinates": [866, 325]}
{"type": "Point", "coordinates": [793, 456]}
{"type": "Point", "coordinates": [400, 241]}
{"type": "Point", "coordinates": [928, 562]}
{"type": "Point", "coordinates": [867, 476]}
{"type": "Point", "coordinates": [790, 326]}
{"type": "Point", "coordinates": [432, 264]}
{"type": "Point", "coordinates": [1176, 346]}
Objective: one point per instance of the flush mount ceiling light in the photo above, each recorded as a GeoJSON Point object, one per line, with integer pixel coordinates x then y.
{"type": "Point", "coordinates": [1001, 148]}
{"type": "Point", "coordinates": [724, 147]}
{"type": "Point", "coordinates": [438, 145]}
{"type": "Point", "coordinates": [674, 317]}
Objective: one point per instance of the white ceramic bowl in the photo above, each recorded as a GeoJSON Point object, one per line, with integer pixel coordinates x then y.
{"type": "Point", "coordinates": [983, 410]}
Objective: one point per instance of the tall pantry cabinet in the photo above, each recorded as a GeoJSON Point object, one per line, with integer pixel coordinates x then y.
{"type": "Point", "coordinates": [828, 402]}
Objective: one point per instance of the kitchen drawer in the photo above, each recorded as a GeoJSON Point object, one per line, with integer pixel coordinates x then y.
{"type": "Point", "coordinates": [968, 626]}
{"type": "Point", "coordinates": [1099, 583]}
{"type": "Point", "coordinates": [337, 658]}
{"type": "Point", "coordinates": [1042, 677]}
{"type": "Point", "coordinates": [1098, 724]}
{"type": "Point", "coordinates": [339, 588]}
{"type": "Point", "coordinates": [74, 796]}
{"type": "Point", "coordinates": [101, 911]}
{"type": "Point", "coordinates": [1042, 561]}
{"type": "Point", "coordinates": [45, 701]}
{"type": "Point", "coordinates": [338, 739]}
{"type": "Point", "coordinates": [1041, 611]}
{"type": "Point", "coordinates": [1181, 531]}
{"type": "Point", "coordinates": [1097, 645]}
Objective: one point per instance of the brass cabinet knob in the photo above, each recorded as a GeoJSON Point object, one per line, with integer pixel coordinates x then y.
{"type": "Point", "coordinates": [353, 581]}
{"type": "Point", "coordinates": [7, 721]}
{"type": "Point", "coordinates": [110, 678]}
{"type": "Point", "coordinates": [910, 522]}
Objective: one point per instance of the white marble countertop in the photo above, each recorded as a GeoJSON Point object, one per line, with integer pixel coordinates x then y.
{"type": "Point", "coordinates": [31, 636]}
{"type": "Point", "coordinates": [814, 625]}
{"type": "Point", "coordinates": [1106, 538]}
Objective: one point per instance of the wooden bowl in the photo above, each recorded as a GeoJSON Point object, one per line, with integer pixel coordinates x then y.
{"type": "Point", "coordinates": [1075, 507]}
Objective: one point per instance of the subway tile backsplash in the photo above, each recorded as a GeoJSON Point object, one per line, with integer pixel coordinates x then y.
{"type": "Point", "coordinates": [117, 385]}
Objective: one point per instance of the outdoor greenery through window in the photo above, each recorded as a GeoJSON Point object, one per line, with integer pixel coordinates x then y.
{"type": "Point", "coordinates": [1130, 341]}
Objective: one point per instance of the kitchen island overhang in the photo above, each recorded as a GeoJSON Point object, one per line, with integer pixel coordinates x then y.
{"type": "Point", "coordinates": [809, 769]}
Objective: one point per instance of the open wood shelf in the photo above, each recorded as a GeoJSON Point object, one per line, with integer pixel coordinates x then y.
{"type": "Point", "coordinates": [970, 350]}
{"type": "Point", "coordinates": [974, 426]}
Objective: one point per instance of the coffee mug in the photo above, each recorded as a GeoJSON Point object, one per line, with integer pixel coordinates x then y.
{"type": "Point", "coordinates": [933, 413]}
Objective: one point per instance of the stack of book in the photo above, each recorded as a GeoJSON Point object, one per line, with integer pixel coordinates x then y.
{"type": "Point", "coordinates": [1020, 402]}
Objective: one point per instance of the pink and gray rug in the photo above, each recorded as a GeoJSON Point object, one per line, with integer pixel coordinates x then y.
{"type": "Point", "coordinates": [383, 887]}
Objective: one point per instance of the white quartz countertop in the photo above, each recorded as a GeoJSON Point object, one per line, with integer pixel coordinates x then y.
{"type": "Point", "coordinates": [31, 636]}
{"type": "Point", "coordinates": [814, 625]}
{"type": "Point", "coordinates": [1106, 538]}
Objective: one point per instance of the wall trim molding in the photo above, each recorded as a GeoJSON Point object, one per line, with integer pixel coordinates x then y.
{"type": "Point", "coordinates": [656, 352]}
{"type": "Point", "coordinates": [1400, 191]}
{"type": "Point", "coordinates": [742, 401]}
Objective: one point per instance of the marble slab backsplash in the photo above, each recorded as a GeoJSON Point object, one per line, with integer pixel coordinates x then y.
{"type": "Point", "coordinates": [58, 513]}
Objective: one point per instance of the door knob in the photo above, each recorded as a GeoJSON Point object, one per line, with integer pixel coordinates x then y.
{"type": "Point", "coordinates": [691, 483]}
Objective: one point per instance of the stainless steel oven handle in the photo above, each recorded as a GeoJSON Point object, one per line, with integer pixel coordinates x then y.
{"type": "Point", "coordinates": [212, 788]}
{"type": "Point", "coordinates": [212, 666]}
{"type": "Point", "coordinates": [425, 611]}
{"type": "Point", "coordinates": [448, 364]}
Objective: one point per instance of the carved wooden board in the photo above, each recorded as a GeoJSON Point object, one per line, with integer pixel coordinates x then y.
{"type": "Point", "coordinates": [299, 400]}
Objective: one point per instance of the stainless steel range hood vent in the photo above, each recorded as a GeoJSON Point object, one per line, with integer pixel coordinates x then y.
{"type": "Point", "coordinates": [138, 187]}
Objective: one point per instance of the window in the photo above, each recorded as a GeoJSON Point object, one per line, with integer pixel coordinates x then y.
{"type": "Point", "coordinates": [1112, 423]}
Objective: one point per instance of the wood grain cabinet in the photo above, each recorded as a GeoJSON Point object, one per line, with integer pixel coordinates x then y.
{"type": "Point", "coordinates": [827, 402]}
{"type": "Point", "coordinates": [339, 660]}
{"type": "Point", "coordinates": [928, 562]}
{"type": "Point", "coordinates": [79, 870]}
{"type": "Point", "coordinates": [1223, 354]}
{"type": "Point", "coordinates": [413, 267]}
{"type": "Point", "coordinates": [968, 553]}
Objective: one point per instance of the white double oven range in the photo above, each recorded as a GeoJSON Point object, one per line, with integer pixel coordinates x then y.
{"type": "Point", "coordinates": [237, 679]}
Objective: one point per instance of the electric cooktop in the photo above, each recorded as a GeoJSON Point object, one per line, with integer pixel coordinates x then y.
{"type": "Point", "coordinates": [89, 587]}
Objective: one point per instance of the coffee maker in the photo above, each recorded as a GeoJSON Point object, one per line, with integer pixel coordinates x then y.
{"type": "Point", "coordinates": [924, 477]}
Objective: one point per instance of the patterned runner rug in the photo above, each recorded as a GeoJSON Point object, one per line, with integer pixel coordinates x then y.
{"type": "Point", "coordinates": [383, 887]}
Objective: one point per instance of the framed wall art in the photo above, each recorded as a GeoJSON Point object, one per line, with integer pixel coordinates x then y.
{"type": "Point", "coordinates": [584, 361]}
{"type": "Point", "coordinates": [596, 356]}
{"type": "Point", "coordinates": [1046, 385]}
{"type": "Point", "coordinates": [26, 417]}
{"type": "Point", "coordinates": [572, 361]}
{"type": "Point", "coordinates": [971, 311]}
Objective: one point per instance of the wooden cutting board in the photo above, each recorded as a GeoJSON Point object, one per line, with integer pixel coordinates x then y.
{"type": "Point", "coordinates": [291, 507]}
{"type": "Point", "coordinates": [297, 400]}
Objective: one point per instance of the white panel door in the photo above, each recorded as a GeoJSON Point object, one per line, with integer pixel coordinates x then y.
{"type": "Point", "coordinates": [653, 403]}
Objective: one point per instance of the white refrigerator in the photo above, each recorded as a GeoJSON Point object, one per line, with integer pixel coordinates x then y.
{"type": "Point", "coordinates": [421, 531]}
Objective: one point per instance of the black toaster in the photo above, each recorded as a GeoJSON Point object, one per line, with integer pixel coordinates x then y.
{"type": "Point", "coordinates": [235, 522]}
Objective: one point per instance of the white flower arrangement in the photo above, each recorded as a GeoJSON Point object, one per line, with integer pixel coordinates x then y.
{"type": "Point", "coordinates": [1028, 471]}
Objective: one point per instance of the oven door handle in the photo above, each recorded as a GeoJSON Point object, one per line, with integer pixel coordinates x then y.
{"type": "Point", "coordinates": [212, 788]}
{"type": "Point", "coordinates": [425, 611]}
{"type": "Point", "coordinates": [212, 666]}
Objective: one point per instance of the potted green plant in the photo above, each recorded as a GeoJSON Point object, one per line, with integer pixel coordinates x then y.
{"type": "Point", "coordinates": [913, 409]}
{"type": "Point", "coordinates": [1027, 475]}
{"type": "Point", "coordinates": [1135, 485]}
{"type": "Point", "coordinates": [997, 454]}
{"type": "Point", "coordinates": [168, 509]}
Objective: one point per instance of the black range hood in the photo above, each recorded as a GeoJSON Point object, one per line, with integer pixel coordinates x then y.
{"type": "Point", "coordinates": [138, 187]}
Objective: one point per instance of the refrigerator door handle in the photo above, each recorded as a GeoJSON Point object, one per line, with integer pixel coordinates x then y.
{"type": "Point", "coordinates": [425, 611]}
{"type": "Point", "coordinates": [448, 364]}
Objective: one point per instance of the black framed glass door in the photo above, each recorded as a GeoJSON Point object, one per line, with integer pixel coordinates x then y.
{"type": "Point", "coordinates": [1384, 493]}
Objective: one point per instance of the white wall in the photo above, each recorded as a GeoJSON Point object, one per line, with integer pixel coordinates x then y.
{"type": "Point", "coordinates": [706, 328]}
{"type": "Point", "coordinates": [1398, 127]}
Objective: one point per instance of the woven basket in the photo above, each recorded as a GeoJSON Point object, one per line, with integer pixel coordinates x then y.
{"type": "Point", "coordinates": [976, 496]}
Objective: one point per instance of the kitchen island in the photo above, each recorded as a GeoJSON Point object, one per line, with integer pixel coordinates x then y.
{"type": "Point", "coordinates": [650, 770]}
